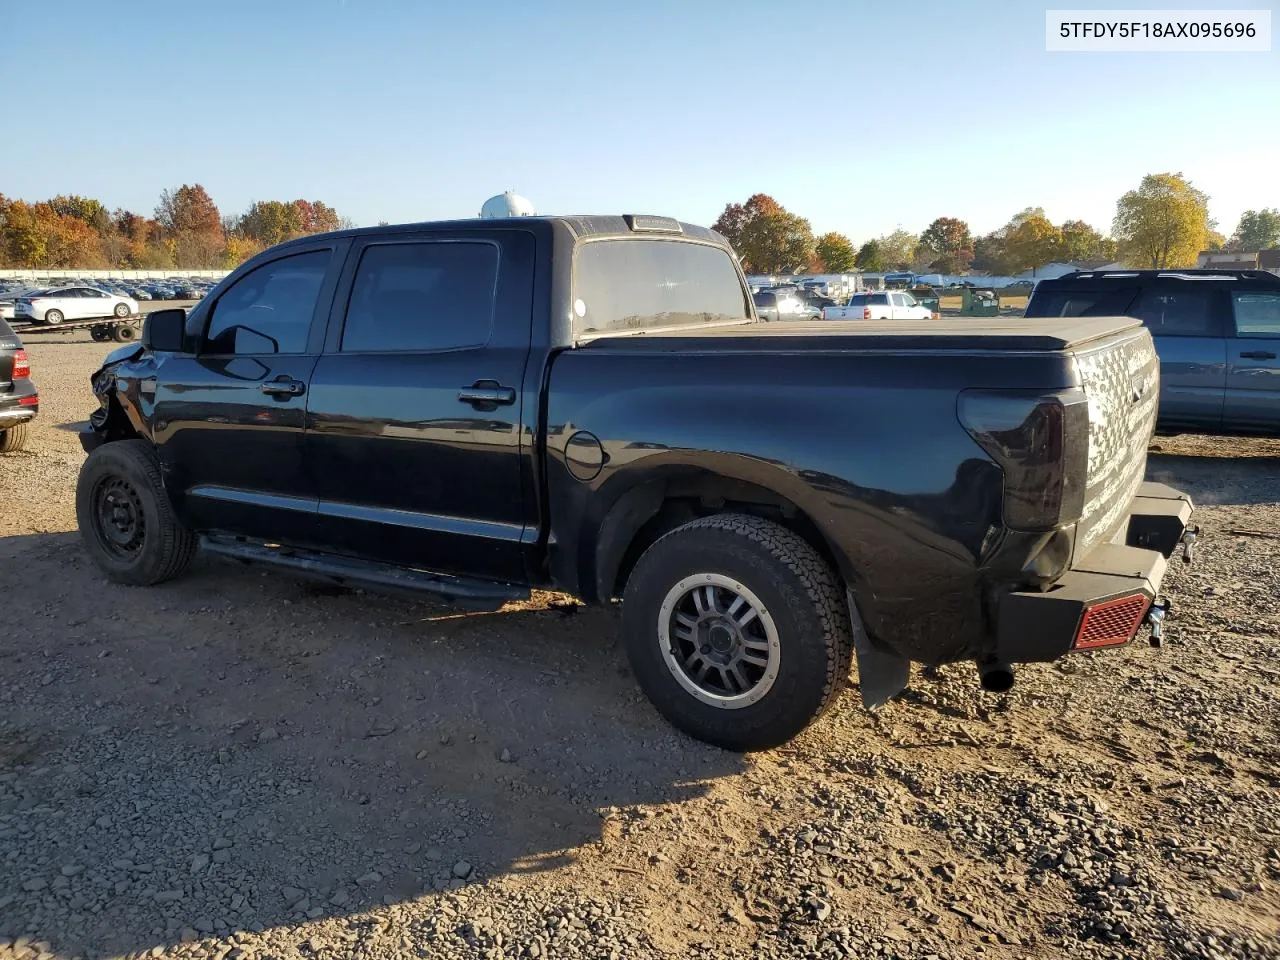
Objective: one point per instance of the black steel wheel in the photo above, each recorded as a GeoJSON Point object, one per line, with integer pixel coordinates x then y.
{"type": "Point", "coordinates": [125, 518]}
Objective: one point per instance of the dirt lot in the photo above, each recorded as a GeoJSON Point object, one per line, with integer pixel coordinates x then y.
{"type": "Point", "coordinates": [238, 765]}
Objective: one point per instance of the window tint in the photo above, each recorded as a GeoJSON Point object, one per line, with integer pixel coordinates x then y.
{"type": "Point", "coordinates": [1176, 311]}
{"type": "Point", "coordinates": [1075, 302]}
{"type": "Point", "coordinates": [630, 284]}
{"type": "Point", "coordinates": [1257, 314]}
{"type": "Point", "coordinates": [766, 299]}
{"type": "Point", "coordinates": [422, 296]}
{"type": "Point", "coordinates": [878, 299]}
{"type": "Point", "coordinates": [269, 309]}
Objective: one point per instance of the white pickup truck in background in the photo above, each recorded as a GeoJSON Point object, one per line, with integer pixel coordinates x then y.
{"type": "Point", "coordinates": [884, 305]}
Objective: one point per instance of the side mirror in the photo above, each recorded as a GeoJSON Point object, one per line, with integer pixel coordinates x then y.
{"type": "Point", "coordinates": [165, 330]}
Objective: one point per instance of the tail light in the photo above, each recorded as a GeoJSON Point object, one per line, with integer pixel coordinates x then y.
{"type": "Point", "coordinates": [21, 366]}
{"type": "Point", "coordinates": [866, 313]}
{"type": "Point", "coordinates": [1111, 623]}
{"type": "Point", "coordinates": [1042, 444]}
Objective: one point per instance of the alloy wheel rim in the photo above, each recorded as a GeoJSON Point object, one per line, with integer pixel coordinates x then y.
{"type": "Point", "coordinates": [719, 641]}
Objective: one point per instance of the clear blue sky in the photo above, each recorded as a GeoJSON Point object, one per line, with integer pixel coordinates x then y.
{"type": "Point", "coordinates": [859, 116]}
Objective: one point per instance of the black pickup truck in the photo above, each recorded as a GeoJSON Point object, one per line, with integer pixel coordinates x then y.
{"type": "Point", "coordinates": [590, 404]}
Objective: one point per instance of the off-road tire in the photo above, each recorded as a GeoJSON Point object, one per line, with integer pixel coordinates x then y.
{"type": "Point", "coordinates": [13, 439]}
{"type": "Point", "coordinates": [166, 547]}
{"type": "Point", "coordinates": [802, 594]}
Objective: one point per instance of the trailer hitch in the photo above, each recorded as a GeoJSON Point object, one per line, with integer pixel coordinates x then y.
{"type": "Point", "coordinates": [1156, 613]}
{"type": "Point", "coordinates": [1188, 541]}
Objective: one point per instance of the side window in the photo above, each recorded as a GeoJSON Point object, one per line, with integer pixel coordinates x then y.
{"type": "Point", "coordinates": [269, 309]}
{"type": "Point", "coordinates": [1257, 314]}
{"type": "Point", "coordinates": [432, 295]}
{"type": "Point", "coordinates": [908, 300]}
{"type": "Point", "coordinates": [1177, 311]}
{"type": "Point", "coordinates": [879, 300]}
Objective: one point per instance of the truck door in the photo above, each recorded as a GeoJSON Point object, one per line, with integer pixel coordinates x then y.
{"type": "Point", "coordinates": [229, 418]}
{"type": "Point", "coordinates": [414, 412]}
{"type": "Point", "coordinates": [1253, 367]}
{"type": "Point", "coordinates": [1188, 321]}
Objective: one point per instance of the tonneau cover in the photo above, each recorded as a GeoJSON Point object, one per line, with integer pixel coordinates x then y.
{"type": "Point", "coordinates": [961, 333]}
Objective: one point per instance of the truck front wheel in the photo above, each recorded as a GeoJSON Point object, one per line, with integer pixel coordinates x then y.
{"type": "Point", "coordinates": [737, 631]}
{"type": "Point", "coordinates": [125, 518]}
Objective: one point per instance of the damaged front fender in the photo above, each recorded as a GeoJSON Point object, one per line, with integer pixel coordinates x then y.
{"type": "Point", "coordinates": [125, 388]}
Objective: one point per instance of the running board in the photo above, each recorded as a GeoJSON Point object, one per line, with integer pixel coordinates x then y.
{"type": "Point", "coordinates": [379, 577]}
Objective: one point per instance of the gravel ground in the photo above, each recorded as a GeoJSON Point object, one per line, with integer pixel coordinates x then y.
{"type": "Point", "coordinates": [238, 765]}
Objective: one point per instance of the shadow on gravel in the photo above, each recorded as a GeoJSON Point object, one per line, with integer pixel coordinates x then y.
{"type": "Point", "coordinates": [239, 751]}
{"type": "Point", "coordinates": [1218, 480]}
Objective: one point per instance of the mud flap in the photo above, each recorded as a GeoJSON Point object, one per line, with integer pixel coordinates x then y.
{"type": "Point", "coordinates": [882, 674]}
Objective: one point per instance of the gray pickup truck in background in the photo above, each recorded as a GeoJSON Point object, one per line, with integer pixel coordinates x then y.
{"type": "Point", "coordinates": [1217, 333]}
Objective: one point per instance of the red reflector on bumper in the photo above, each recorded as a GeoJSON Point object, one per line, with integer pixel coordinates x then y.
{"type": "Point", "coordinates": [29, 401]}
{"type": "Point", "coordinates": [1111, 623]}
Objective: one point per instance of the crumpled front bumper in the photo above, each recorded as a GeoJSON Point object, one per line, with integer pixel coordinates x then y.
{"type": "Point", "coordinates": [1106, 595]}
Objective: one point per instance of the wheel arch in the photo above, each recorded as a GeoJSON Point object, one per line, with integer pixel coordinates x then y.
{"type": "Point", "coordinates": [636, 509]}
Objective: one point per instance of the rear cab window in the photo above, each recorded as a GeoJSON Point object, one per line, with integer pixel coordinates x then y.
{"type": "Point", "coordinates": [1081, 301]}
{"type": "Point", "coordinates": [633, 284]}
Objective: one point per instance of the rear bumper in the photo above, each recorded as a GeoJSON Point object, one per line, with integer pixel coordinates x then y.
{"type": "Point", "coordinates": [20, 404]}
{"type": "Point", "coordinates": [1104, 597]}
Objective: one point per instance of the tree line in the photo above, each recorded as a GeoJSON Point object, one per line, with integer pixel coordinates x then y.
{"type": "Point", "coordinates": [1164, 223]}
{"type": "Point", "coordinates": [186, 231]}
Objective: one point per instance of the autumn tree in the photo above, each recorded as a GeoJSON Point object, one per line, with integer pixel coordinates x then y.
{"type": "Point", "coordinates": [1257, 230]}
{"type": "Point", "coordinates": [767, 237]}
{"type": "Point", "coordinates": [836, 253]}
{"type": "Point", "coordinates": [1033, 243]}
{"type": "Point", "coordinates": [1079, 242]}
{"type": "Point", "coordinates": [1164, 223]}
{"type": "Point", "coordinates": [24, 244]}
{"type": "Point", "coordinates": [898, 249]}
{"type": "Point", "coordinates": [947, 235]}
{"type": "Point", "coordinates": [870, 257]}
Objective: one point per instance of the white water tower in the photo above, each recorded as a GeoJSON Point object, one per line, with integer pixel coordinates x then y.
{"type": "Point", "coordinates": [507, 205]}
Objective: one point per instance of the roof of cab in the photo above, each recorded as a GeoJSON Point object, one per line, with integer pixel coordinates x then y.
{"type": "Point", "coordinates": [600, 225]}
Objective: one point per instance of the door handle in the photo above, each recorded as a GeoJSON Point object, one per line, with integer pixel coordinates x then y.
{"type": "Point", "coordinates": [1258, 355]}
{"type": "Point", "coordinates": [487, 393]}
{"type": "Point", "coordinates": [283, 387]}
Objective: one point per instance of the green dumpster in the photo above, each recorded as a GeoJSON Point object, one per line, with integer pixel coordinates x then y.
{"type": "Point", "coordinates": [979, 303]}
{"type": "Point", "coordinates": [927, 297]}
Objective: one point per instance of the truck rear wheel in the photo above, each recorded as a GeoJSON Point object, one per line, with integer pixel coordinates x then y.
{"type": "Point", "coordinates": [737, 631]}
{"type": "Point", "coordinates": [13, 439]}
{"type": "Point", "coordinates": [125, 518]}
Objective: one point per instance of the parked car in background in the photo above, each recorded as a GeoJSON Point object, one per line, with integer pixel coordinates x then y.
{"type": "Point", "coordinates": [613, 422]}
{"type": "Point", "coordinates": [19, 399]}
{"type": "Point", "coordinates": [1217, 334]}
{"type": "Point", "coordinates": [885, 305]}
{"type": "Point", "coordinates": [783, 305]}
{"type": "Point", "coordinates": [60, 304]}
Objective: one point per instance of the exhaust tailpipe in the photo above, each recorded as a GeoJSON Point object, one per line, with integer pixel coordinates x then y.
{"type": "Point", "coordinates": [995, 677]}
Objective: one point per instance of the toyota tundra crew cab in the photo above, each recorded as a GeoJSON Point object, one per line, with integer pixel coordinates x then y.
{"type": "Point", "coordinates": [590, 404]}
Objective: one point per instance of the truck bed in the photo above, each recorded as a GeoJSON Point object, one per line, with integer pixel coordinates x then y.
{"type": "Point", "coordinates": [983, 334]}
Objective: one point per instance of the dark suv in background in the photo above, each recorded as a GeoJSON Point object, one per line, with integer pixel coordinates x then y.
{"type": "Point", "coordinates": [1217, 333]}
